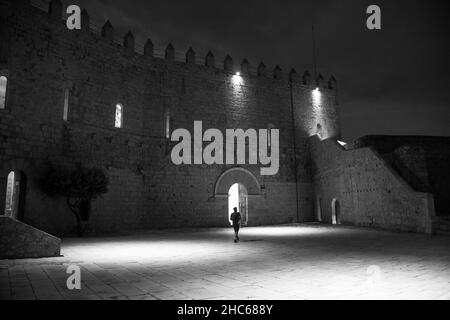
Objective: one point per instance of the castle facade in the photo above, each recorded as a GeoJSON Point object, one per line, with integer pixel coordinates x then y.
{"type": "Point", "coordinates": [83, 97]}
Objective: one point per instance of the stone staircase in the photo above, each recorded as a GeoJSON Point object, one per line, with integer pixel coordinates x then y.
{"type": "Point", "coordinates": [441, 225]}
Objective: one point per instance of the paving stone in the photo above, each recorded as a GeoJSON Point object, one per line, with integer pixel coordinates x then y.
{"type": "Point", "coordinates": [306, 264]}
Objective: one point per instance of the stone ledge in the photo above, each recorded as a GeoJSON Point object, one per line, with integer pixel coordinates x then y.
{"type": "Point", "coordinates": [19, 240]}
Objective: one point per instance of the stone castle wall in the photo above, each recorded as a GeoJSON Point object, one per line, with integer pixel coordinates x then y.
{"type": "Point", "coordinates": [421, 160]}
{"type": "Point", "coordinates": [43, 59]}
{"type": "Point", "coordinates": [369, 191]}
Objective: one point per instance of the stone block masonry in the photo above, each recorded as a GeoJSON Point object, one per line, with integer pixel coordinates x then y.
{"type": "Point", "coordinates": [62, 91]}
{"type": "Point", "coordinates": [147, 190]}
{"type": "Point", "coordinates": [18, 240]}
{"type": "Point", "coordinates": [369, 191]}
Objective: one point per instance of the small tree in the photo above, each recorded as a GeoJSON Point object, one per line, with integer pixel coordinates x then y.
{"type": "Point", "coordinates": [78, 185]}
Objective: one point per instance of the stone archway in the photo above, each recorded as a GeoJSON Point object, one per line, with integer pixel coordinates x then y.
{"type": "Point", "coordinates": [13, 188]}
{"type": "Point", "coordinates": [238, 198]}
{"type": "Point", "coordinates": [247, 186]}
{"type": "Point", "coordinates": [237, 175]}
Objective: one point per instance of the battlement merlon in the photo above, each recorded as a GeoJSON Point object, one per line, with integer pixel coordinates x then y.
{"type": "Point", "coordinates": [55, 14]}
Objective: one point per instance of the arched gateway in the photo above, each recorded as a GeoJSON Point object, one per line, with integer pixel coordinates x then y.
{"type": "Point", "coordinates": [237, 184]}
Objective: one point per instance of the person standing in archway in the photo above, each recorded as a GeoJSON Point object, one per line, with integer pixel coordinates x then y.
{"type": "Point", "coordinates": [236, 219]}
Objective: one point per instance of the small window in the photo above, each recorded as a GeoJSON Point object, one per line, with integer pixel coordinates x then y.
{"type": "Point", "coordinates": [3, 87]}
{"type": "Point", "coordinates": [66, 104]}
{"type": "Point", "coordinates": [168, 125]}
{"type": "Point", "coordinates": [119, 116]}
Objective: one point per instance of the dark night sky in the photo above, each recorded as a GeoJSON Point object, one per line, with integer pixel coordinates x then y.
{"type": "Point", "coordinates": [392, 81]}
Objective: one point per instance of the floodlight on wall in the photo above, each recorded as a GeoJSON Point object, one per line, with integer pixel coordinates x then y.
{"type": "Point", "coordinates": [316, 98]}
{"type": "Point", "coordinates": [237, 79]}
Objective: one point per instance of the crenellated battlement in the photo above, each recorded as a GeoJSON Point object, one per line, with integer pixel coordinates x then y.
{"type": "Point", "coordinates": [107, 32]}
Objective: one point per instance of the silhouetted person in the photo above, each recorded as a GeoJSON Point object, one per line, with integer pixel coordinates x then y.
{"type": "Point", "coordinates": [236, 219]}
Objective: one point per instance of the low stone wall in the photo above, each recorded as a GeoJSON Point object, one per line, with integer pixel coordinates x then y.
{"type": "Point", "coordinates": [19, 240]}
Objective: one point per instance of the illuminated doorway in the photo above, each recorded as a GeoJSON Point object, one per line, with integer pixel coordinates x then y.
{"type": "Point", "coordinates": [16, 186]}
{"type": "Point", "coordinates": [9, 202]}
{"type": "Point", "coordinates": [238, 198]}
{"type": "Point", "coordinates": [335, 212]}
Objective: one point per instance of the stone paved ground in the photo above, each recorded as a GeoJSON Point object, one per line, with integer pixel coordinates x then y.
{"type": "Point", "coordinates": [284, 262]}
